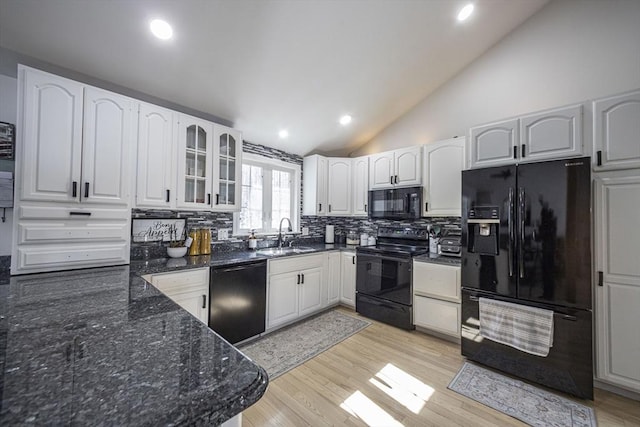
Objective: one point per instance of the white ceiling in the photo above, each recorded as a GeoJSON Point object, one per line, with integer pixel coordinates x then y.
{"type": "Point", "coordinates": [267, 65]}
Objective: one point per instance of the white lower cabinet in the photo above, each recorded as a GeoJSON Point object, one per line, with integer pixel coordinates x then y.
{"type": "Point", "coordinates": [296, 288]}
{"type": "Point", "coordinates": [348, 278]}
{"type": "Point", "coordinates": [334, 281]}
{"type": "Point", "coordinates": [436, 297]}
{"type": "Point", "coordinates": [617, 291]}
{"type": "Point", "coordinates": [189, 289]}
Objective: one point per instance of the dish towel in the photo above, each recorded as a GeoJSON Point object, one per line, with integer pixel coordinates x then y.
{"type": "Point", "coordinates": [529, 329]}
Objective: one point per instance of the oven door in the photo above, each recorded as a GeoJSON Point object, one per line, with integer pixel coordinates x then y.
{"type": "Point", "coordinates": [384, 276]}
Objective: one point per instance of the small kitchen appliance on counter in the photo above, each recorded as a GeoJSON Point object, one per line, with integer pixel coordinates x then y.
{"type": "Point", "coordinates": [450, 242]}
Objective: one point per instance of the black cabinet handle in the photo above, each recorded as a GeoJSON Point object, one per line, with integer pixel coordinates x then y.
{"type": "Point", "coordinates": [217, 199]}
{"type": "Point", "coordinates": [515, 151]}
{"type": "Point", "coordinates": [600, 278]}
{"type": "Point", "coordinates": [168, 195]}
{"type": "Point", "coordinates": [391, 180]}
{"type": "Point", "coordinates": [353, 260]}
{"type": "Point", "coordinates": [86, 190]}
{"type": "Point", "coordinates": [329, 208]}
{"type": "Point", "coordinates": [209, 199]}
{"type": "Point", "coordinates": [522, 150]}
{"type": "Point", "coordinates": [599, 157]}
{"type": "Point", "coordinates": [302, 277]}
{"type": "Point", "coordinates": [75, 213]}
{"type": "Point", "coordinates": [74, 189]}
{"type": "Point", "coordinates": [319, 207]}
{"type": "Point", "coordinates": [365, 207]}
{"type": "Point", "coordinates": [426, 206]}
{"type": "Point", "coordinates": [396, 181]}
{"type": "Point", "coordinates": [204, 301]}
{"type": "Point", "coordinates": [298, 282]}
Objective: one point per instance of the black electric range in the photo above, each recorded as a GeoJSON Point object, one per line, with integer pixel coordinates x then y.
{"type": "Point", "coordinates": [384, 275]}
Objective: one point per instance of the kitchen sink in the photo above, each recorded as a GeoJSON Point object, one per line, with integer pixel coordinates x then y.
{"type": "Point", "coordinates": [285, 251]}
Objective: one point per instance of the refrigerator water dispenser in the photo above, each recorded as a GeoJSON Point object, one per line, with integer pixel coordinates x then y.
{"type": "Point", "coordinates": [484, 224]}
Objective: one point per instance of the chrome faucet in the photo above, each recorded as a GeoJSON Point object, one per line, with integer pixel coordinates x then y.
{"type": "Point", "coordinates": [280, 237]}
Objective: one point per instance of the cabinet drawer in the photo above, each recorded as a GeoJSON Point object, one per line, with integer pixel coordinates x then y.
{"type": "Point", "coordinates": [72, 212]}
{"type": "Point", "coordinates": [440, 281]}
{"type": "Point", "coordinates": [63, 231]}
{"type": "Point", "coordinates": [295, 263]}
{"type": "Point", "coordinates": [441, 316]}
{"type": "Point", "coordinates": [171, 283]}
{"type": "Point", "coordinates": [68, 256]}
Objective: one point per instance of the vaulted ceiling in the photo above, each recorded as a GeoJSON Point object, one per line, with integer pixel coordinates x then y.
{"type": "Point", "coordinates": [272, 64]}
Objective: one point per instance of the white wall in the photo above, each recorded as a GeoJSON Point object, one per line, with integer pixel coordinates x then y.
{"type": "Point", "coordinates": [570, 51]}
{"type": "Point", "coordinates": [8, 111]}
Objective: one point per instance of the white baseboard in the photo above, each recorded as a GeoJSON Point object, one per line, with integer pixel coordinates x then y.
{"type": "Point", "coordinates": [617, 390]}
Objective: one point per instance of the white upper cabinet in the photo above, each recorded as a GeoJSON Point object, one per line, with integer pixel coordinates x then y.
{"type": "Point", "coordinates": [228, 168]}
{"type": "Point", "coordinates": [442, 177]}
{"type": "Point", "coordinates": [395, 168]}
{"type": "Point", "coordinates": [493, 144]}
{"type": "Point", "coordinates": [314, 184]}
{"type": "Point", "coordinates": [77, 142]}
{"type": "Point", "coordinates": [156, 177]}
{"type": "Point", "coordinates": [616, 131]}
{"type": "Point", "coordinates": [551, 134]}
{"type": "Point", "coordinates": [360, 188]}
{"type": "Point", "coordinates": [339, 186]}
{"type": "Point", "coordinates": [195, 152]}
{"type": "Point", "coordinates": [106, 150]}
{"type": "Point", "coordinates": [51, 142]}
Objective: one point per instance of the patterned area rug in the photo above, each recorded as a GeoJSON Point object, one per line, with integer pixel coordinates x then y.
{"type": "Point", "coordinates": [527, 403]}
{"type": "Point", "coordinates": [289, 347]}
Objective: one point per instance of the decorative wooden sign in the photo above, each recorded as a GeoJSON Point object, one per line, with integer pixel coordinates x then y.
{"type": "Point", "coordinates": [157, 229]}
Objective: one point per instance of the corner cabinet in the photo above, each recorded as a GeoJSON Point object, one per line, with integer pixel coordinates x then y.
{"type": "Point", "coordinates": [544, 135]}
{"type": "Point", "coordinates": [227, 185]}
{"type": "Point", "coordinates": [156, 168]}
{"type": "Point", "coordinates": [360, 190]}
{"type": "Point", "coordinates": [616, 132]}
{"type": "Point", "coordinates": [442, 177]}
{"type": "Point", "coordinates": [617, 292]}
{"type": "Point", "coordinates": [398, 168]}
{"type": "Point", "coordinates": [195, 153]}
{"type": "Point", "coordinates": [189, 289]}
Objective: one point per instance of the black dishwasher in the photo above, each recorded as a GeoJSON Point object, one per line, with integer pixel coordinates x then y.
{"type": "Point", "coordinates": [238, 297]}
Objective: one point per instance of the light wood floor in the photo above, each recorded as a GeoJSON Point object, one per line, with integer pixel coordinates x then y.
{"type": "Point", "coordinates": [353, 382]}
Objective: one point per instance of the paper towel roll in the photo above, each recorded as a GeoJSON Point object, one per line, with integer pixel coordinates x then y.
{"type": "Point", "coordinates": [329, 234]}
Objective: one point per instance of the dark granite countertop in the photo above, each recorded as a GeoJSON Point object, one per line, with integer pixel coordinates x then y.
{"type": "Point", "coordinates": [439, 259]}
{"type": "Point", "coordinates": [164, 265]}
{"type": "Point", "coordinates": [101, 346]}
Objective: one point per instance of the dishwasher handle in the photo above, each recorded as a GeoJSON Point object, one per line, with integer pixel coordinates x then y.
{"type": "Point", "coordinates": [239, 267]}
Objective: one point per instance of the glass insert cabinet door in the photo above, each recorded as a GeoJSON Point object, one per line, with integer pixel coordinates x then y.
{"type": "Point", "coordinates": [229, 159]}
{"type": "Point", "coordinates": [194, 187]}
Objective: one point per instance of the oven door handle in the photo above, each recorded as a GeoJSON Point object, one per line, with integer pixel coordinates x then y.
{"type": "Point", "coordinates": [364, 257]}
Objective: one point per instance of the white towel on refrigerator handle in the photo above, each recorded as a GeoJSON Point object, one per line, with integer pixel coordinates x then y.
{"type": "Point", "coordinates": [529, 329]}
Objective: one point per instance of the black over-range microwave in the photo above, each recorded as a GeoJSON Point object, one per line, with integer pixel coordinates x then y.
{"type": "Point", "coordinates": [395, 203]}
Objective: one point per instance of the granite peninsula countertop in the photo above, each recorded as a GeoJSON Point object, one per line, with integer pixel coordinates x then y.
{"type": "Point", "coordinates": [439, 259]}
{"type": "Point", "coordinates": [102, 346]}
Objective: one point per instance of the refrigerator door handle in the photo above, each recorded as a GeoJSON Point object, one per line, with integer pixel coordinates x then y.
{"type": "Point", "coordinates": [521, 243]}
{"type": "Point", "coordinates": [511, 236]}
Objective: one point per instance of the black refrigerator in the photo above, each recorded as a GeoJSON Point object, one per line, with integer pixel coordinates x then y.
{"type": "Point", "coordinates": [526, 239]}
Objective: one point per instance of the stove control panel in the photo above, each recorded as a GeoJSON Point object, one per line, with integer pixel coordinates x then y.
{"type": "Point", "coordinates": [404, 233]}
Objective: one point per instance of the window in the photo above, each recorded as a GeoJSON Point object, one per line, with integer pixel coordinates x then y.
{"type": "Point", "coordinates": [270, 192]}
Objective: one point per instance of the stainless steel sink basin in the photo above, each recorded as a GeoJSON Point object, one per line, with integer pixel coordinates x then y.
{"type": "Point", "coordinates": [285, 251]}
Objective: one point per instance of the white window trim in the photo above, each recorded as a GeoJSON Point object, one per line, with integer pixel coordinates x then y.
{"type": "Point", "coordinates": [296, 172]}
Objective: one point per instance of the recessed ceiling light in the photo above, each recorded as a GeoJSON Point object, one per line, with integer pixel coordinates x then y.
{"type": "Point", "coordinates": [465, 12]}
{"type": "Point", "coordinates": [345, 120]}
{"type": "Point", "coordinates": [283, 133]}
{"type": "Point", "coordinates": [161, 29]}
